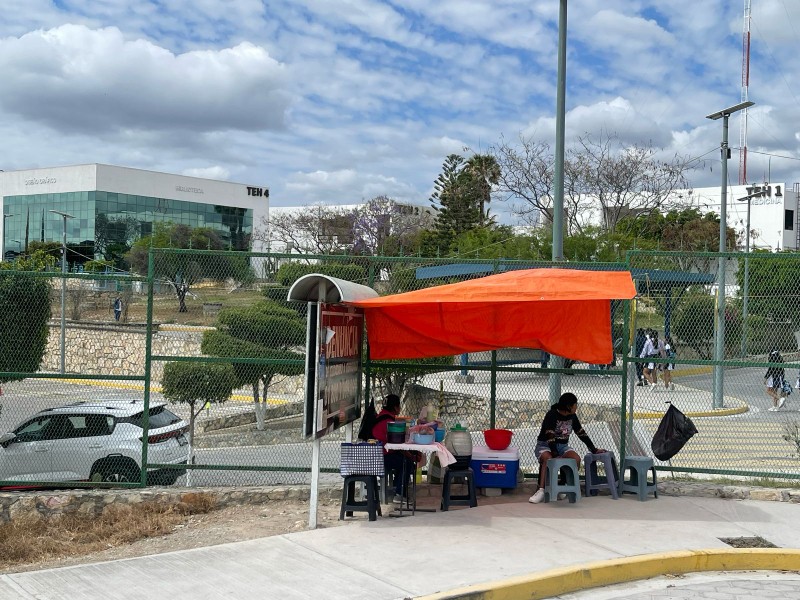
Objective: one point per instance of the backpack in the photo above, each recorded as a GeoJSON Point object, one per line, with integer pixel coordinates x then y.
{"type": "Point", "coordinates": [369, 420]}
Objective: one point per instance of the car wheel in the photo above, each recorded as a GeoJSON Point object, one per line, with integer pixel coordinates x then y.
{"type": "Point", "coordinates": [116, 471]}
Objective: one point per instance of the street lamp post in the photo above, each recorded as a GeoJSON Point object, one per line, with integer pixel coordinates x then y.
{"type": "Point", "coordinates": [4, 237]}
{"type": "Point", "coordinates": [64, 216]}
{"type": "Point", "coordinates": [746, 289]}
{"type": "Point", "coordinates": [719, 337]}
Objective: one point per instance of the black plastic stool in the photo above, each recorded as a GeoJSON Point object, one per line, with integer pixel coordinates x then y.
{"type": "Point", "coordinates": [470, 499]}
{"type": "Point", "coordinates": [349, 504]}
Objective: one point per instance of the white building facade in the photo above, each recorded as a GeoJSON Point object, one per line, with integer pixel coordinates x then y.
{"type": "Point", "coordinates": [773, 209]}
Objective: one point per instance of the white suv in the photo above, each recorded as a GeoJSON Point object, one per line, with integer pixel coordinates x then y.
{"type": "Point", "coordinates": [95, 441]}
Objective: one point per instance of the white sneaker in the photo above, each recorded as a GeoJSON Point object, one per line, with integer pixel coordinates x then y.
{"type": "Point", "coordinates": [537, 497]}
{"type": "Point", "coordinates": [561, 496]}
{"type": "Point", "coordinates": [398, 499]}
{"type": "Point", "coordinates": [781, 402]}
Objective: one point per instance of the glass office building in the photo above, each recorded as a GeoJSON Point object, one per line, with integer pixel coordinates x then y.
{"type": "Point", "coordinates": [112, 207]}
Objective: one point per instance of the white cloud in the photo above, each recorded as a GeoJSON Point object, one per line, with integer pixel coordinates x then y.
{"type": "Point", "coordinates": [343, 100]}
{"type": "Point", "coordinates": [73, 78]}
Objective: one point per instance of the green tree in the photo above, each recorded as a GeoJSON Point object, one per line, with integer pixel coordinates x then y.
{"type": "Point", "coordinates": [269, 332]}
{"type": "Point", "coordinates": [288, 273]}
{"type": "Point", "coordinates": [693, 323]}
{"type": "Point", "coordinates": [457, 199]}
{"type": "Point", "coordinates": [24, 315]}
{"type": "Point", "coordinates": [197, 384]}
{"type": "Point", "coordinates": [182, 270]}
{"type": "Point", "coordinates": [485, 173]}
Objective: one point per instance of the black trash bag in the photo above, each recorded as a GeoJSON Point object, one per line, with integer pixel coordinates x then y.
{"type": "Point", "coordinates": [672, 434]}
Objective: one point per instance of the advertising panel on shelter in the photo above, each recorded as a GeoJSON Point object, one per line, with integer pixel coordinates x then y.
{"type": "Point", "coordinates": [335, 374]}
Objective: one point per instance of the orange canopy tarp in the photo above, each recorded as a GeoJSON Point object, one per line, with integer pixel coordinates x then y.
{"type": "Point", "coordinates": [565, 312]}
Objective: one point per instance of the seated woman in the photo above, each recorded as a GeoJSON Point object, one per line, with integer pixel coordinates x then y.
{"type": "Point", "coordinates": [393, 460]}
{"type": "Point", "coordinates": [553, 441]}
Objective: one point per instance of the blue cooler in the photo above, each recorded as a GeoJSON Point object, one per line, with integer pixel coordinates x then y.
{"type": "Point", "coordinates": [495, 468]}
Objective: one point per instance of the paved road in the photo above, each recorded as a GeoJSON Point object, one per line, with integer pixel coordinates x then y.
{"type": "Point", "coordinates": [752, 439]}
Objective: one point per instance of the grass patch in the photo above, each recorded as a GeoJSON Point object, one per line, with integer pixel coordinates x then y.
{"type": "Point", "coordinates": [35, 539]}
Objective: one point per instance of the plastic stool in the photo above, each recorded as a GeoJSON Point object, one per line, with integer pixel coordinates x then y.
{"type": "Point", "coordinates": [470, 499]}
{"type": "Point", "coordinates": [571, 486]}
{"type": "Point", "coordinates": [593, 481]}
{"type": "Point", "coordinates": [349, 504]}
{"type": "Point", "coordinates": [638, 484]}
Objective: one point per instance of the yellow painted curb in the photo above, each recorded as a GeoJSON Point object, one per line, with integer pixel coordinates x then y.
{"type": "Point", "coordinates": [620, 570]}
{"type": "Point", "coordinates": [121, 385]}
{"type": "Point", "coordinates": [701, 370]}
{"type": "Point", "coordinates": [722, 412]}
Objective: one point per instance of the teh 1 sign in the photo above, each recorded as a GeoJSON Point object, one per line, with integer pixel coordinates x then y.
{"type": "Point", "coordinates": [337, 377]}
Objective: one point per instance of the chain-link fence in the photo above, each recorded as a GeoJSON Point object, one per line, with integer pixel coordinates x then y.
{"type": "Point", "coordinates": [202, 363]}
{"type": "Point", "coordinates": [728, 359]}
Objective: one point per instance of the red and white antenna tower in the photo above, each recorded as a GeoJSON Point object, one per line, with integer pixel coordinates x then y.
{"type": "Point", "coordinates": [745, 86]}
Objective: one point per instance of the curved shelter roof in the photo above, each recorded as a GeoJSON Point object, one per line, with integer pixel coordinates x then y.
{"type": "Point", "coordinates": [563, 311]}
{"type": "Point", "coordinates": [307, 289]}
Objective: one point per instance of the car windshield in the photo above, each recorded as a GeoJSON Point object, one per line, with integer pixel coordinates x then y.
{"type": "Point", "coordinates": [159, 417]}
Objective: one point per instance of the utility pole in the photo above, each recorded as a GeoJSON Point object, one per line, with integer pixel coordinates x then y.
{"type": "Point", "coordinates": [64, 216]}
{"type": "Point", "coordinates": [554, 381]}
{"type": "Point", "coordinates": [719, 334]}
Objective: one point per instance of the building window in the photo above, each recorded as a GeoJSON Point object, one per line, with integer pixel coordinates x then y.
{"type": "Point", "coordinates": [788, 220]}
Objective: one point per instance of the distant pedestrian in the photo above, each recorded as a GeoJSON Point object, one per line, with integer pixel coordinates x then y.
{"type": "Point", "coordinates": [650, 350]}
{"type": "Point", "coordinates": [117, 308]}
{"type": "Point", "coordinates": [773, 380]}
{"type": "Point", "coordinates": [638, 347]}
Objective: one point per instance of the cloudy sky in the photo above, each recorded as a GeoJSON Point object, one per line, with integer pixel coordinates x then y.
{"type": "Point", "coordinates": [344, 100]}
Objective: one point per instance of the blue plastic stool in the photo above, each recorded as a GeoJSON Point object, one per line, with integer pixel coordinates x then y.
{"type": "Point", "coordinates": [594, 481]}
{"type": "Point", "coordinates": [639, 466]}
{"type": "Point", "coordinates": [571, 486]}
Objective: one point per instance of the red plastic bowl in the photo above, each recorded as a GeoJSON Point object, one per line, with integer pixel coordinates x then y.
{"type": "Point", "coordinates": [497, 439]}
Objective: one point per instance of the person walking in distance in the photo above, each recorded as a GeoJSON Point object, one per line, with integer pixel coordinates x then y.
{"type": "Point", "coordinates": [639, 342]}
{"type": "Point", "coordinates": [117, 308]}
{"type": "Point", "coordinates": [773, 380]}
{"type": "Point", "coordinates": [650, 350]}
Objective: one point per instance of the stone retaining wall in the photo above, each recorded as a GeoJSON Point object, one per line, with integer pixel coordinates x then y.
{"type": "Point", "coordinates": [53, 504]}
{"type": "Point", "coordinates": [116, 349]}
{"type": "Point", "coordinates": [119, 349]}
{"type": "Point", "coordinates": [43, 505]}
{"type": "Point", "coordinates": [454, 408]}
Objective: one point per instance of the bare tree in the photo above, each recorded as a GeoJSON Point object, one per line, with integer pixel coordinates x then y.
{"type": "Point", "coordinates": [626, 180]}
{"type": "Point", "coordinates": [379, 225]}
{"type": "Point", "coordinates": [526, 175]}
{"type": "Point", "coordinates": [314, 229]}
{"type": "Point", "coordinates": [604, 181]}
{"type": "Point", "coordinates": [384, 226]}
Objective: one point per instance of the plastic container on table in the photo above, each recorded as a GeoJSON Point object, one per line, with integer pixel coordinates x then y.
{"type": "Point", "coordinates": [495, 468]}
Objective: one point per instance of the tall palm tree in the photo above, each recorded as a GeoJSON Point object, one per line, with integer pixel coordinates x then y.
{"type": "Point", "coordinates": [485, 171]}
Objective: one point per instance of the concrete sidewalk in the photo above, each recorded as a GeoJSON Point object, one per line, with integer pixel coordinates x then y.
{"type": "Point", "coordinates": [397, 558]}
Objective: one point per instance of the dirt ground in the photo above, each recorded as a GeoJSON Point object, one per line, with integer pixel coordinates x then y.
{"type": "Point", "coordinates": [232, 524]}
{"type": "Point", "coordinates": [246, 522]}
